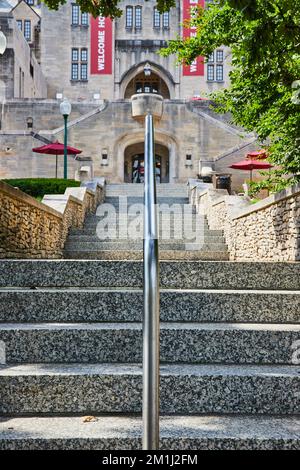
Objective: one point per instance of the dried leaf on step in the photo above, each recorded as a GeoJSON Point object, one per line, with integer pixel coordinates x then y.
{"type": "Point", "coordinates": [89, 419]}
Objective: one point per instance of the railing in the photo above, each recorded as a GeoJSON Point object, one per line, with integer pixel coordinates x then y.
{"type": "Point", "coordinates": [151, 298]}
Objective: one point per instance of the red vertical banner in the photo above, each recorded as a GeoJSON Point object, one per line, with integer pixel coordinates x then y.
{"type": "Point", "coordinates": [196, 68]}
{"type": "Point", "coordinates": [101, 46]}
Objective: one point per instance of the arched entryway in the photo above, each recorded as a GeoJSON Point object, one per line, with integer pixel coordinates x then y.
{"type": "Point", "coordinates": [147, 84]}
{"type": "Point", "coordinates": [156, 80]}
{"type": "Point", "coordinates": [134, 163]}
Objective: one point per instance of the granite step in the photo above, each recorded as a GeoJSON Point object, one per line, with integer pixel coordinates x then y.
{"type": "Point", "coordinates": [137, 255]}
{"type": "Point", "coordinates": [176, 212]}
{"type": "Point", "coordinates": [115, 201]}
{"type": "Point", "coordinates": [84, 239]}
{"type": "Point", "coordinates": [183, 226]}
{"type": "Point", "coordinates": [117, 388]}
{"type": "Point", "coordinates": [204, 432]}
{"type": "Point", "coordinates": [126, 305]}
{"type": "Point", "coordinates": [192, 343]}
{"type": "Point", "coordinates": [165, 219]}
{"type": "Point", "coordinates": [138, 190]}
{"type": "Point", "coordinates": [173, 274]}
{"type": "Point", "coordinates": [92, 230]}
{"type": "Point", "coordinates": [136, 245]}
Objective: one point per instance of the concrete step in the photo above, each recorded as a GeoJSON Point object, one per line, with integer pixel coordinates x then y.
{"type": "Point", "coordinates": [213, 432]}
{"type": "Point", "coordinates": [126, 305]}
{"type": "Point", "coordinates": [173, 274]}
{"type": "Point", "coordinates": [136, 245]}
{"type": "Point", "coordinates": [135, 255]}
{"type": "Point", "coordinates": [117, 388]}
{"type": "Point", "coordinates": [192, 343]}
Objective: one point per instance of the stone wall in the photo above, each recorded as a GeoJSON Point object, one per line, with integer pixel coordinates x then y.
{"type": "Point", "coordinates": [266, 231]}
{"type": "Point", "coordinates": [31, 229]}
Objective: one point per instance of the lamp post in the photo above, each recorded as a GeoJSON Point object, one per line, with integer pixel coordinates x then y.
{"type": "Point", "coordinates": [65, 109]}
{"type": "Point", "coordinates": [3, 43]}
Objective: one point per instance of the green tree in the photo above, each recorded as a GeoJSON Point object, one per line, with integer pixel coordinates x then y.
{"type": "Point", "coordinates": [264, 95]}
{"type": "Point", "coordinates": [105, 7]}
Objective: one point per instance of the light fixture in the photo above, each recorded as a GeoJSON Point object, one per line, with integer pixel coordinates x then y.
{"type": "Point", "coordinates": [147, 69]}
{"type": "Point", "coordinates": [65, 107]}
{"type": "Point", "coordinates": [3, 42]}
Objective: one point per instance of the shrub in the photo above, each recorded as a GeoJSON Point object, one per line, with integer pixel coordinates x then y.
{"type": "Point", "coordinates": [38, 187]}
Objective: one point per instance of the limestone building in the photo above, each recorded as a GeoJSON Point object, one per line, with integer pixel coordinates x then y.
{"type": "Point", "coordinates": [98, 64]}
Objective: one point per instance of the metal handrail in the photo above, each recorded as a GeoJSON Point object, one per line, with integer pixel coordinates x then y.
{"type": "Point", "coordinates": [151, 298]}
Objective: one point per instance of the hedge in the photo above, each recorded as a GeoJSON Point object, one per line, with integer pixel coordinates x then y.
{"type": "Point", "coordinates": [38, 187]}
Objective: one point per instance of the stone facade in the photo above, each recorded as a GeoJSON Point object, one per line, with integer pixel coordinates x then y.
{"type": "Point", "coordinates": [30, 229]}
{"type": "Point", "coordinates": [188, 137]}
{"type": "Point", "coordinates": [118, 142]}
{"type": "Point", "coordinates": [20, 74]}
{"type": "Point", "coordinates": [133, 47]}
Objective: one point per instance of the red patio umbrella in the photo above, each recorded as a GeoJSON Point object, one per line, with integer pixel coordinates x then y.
{"type": "Point", "coordinates": [259, 155]}
{"type": "Point", "coordinates": [250, 165]}
{"type": "Point", "coordinates": [56, 148]}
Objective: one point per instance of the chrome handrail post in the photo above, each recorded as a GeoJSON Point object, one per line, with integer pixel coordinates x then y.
{"type": "Point", "coordinates": [151, 297]}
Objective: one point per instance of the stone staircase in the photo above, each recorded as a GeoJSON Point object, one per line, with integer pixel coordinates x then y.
{"type": "Point", "coordinates": [183, 233]}
{"type": "Point", "coordinates": [73, 377]}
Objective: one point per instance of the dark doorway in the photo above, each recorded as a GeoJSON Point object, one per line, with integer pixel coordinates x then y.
{"type": "Point", "coordinates": [138, 168]}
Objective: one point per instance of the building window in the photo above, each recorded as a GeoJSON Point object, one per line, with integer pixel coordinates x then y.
{"type": "Point", "coordinates": [75, 55]}
{"type": "Point", "coordinates": [139, 87]}
{"type": "Point", "coordinates": [20, 24]}
{"type": "Point", "coordinates": [84, 65]}
{"type": "Point", "coordinates": [75, 14]}
{"type": "Point", "coordinates": [161, 19]}
{"type": "Point", "coordinates": [84, 56]}
{"type": "Point", "coordinates": [129, 17]}
{"type": "Point", "coordinates": [83, 72]}
{"type": "Point", "coordinates": [138, 18]}
{"type": "Point", "coordinates": [215, 66]}
{"type": "Point", "coordinates": [219, 73]}
{"type": "Point", "coordinates": [219, 55]}
{"type": "Point", "coordinates": [74, 73]}
{"type": "Point", "coordinates": [79, 67]}
{"type": "Point", "coordinates": [211, 57]}
{"type": "Point", "coordinates": [166, 20]}
{"type": "Point", "coordinates": [210, 72]}
{"type": "Point", "coordinates": [30, 2]}
{"type": "Point", "coordinates": [84, 19]}
{"type": "Point", "coordinates": [156, 18]}
{"type": "Point", "coordinates": [27, 30]}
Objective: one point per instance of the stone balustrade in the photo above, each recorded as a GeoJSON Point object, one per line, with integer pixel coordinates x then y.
{"type": "Point", "coordinates": [33, 229]}
{"type": "Point", "coordinates": [266, 231]}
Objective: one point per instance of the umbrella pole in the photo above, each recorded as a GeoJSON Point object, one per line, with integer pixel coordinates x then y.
{"type": "Point", "coordinates": [56, 166]}
{"type": "Point", "coordinates": [250, 176]}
